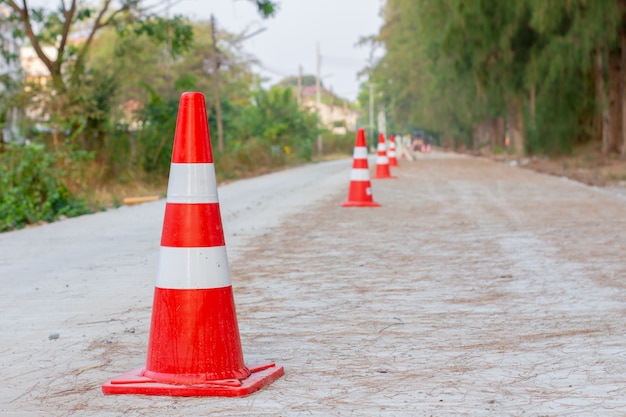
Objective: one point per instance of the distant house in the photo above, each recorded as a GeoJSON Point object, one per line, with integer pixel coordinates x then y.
{"type": "Point", "coordinates": [34, 69]}
{"type": "Point", "coordinates": [36, 72]}
{"type": "Point", "coordinates": [334, 114]}
{"type": "Point", "coordinates": [9, 71]}
{"type": "Point", "coordinates": [129, 111]}
{"type": "Point", "coordinates": [11, 46]}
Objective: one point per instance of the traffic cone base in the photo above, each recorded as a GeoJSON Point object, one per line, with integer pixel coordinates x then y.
{"type": "Point", "coordinates": [360, 204]}
{"type": "Point", "coordinates": [383, 172]}
{"type": "Point", "coordinates": [360, 193]}
{"type": "Point", "coordinates": [135, 382]}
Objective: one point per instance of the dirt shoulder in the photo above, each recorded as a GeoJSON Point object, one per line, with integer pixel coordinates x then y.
{"type": "Point", "coordinates": [586, 165]}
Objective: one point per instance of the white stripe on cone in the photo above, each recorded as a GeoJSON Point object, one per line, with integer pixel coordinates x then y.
{"type": "Point", "coordinates": [192, 183]}
{"type": "Point", "coordinates": [193, 268]}
{"type": "Point", "coordinates": [360, 153]}
{"type": "Point", "coordinates": [382, 160]}
{"type": "Point", "coordinates": [360, 174]}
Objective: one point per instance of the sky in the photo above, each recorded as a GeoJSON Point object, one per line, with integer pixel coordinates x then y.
{"type": "Point", "coordinates": [290, 38]}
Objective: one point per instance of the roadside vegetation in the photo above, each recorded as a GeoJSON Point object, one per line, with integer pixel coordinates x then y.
{"type": "Point", "coordinates": [523, 77]}
{"type": "Point", "coordinates": [100, 127]}
{"type": "Point", "coordinates": [538, 81]}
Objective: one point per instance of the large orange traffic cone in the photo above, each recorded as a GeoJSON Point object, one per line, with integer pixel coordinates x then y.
{"type": "Point", "coordinates": [360, 193]}
{"type": "Point", "coordinates": [194, 347]}
{"type": "Point", "coordinates": [391, 152]}
{"type": "Point", "coordinates": [382, 161]}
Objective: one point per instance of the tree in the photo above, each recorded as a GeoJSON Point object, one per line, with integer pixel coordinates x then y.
{"type": "Point", "coordinates": [76, 103]}
{"type": "Point", "coordinates": [149, 83]}
{"type": "Point", "coordinates": [555, 70]}
{"type": "Point", "coordinates": [570, 71]}
{"type": "Point", "coordinates": [62, 39]}
{"type": "Point", "coordinates": [275, 118]}
{"type": "Point", "coordinates": [424, 85]}
{"type": "Point", "coordinates": [42, 26]}
{"type": "Point", "coordinates": [292, 81]}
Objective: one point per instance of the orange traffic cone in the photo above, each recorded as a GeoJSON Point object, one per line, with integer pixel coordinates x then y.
{"type": "Point", "coordinates": [391, 152]}
{"type": "Point", "coordinates": [382, 161]}
{"type": "Point", "coordinates": [194, 347]}
{"type": "Point", "coordinates": [360, 193]}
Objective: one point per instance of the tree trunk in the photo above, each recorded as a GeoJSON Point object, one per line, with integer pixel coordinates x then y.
{"type": "Point", "coordinates": [516, 128]}
{"type": "Point", "coordinates": [622, 138]}
{"type": "Point", "coordinates": [499, 132]}
{"type": "Point", "coordinates": [216, 85]}
{"type": "Point", "coordinates": [483, 134]}
{"type": "Point", "coordinates": [602, 109]}
{"type": "Point", "coordinates": [532, 104]}
{"type": "Point", "coordinates": [615, 101]}
{"type": "Point", "coordinates": [490, 132]}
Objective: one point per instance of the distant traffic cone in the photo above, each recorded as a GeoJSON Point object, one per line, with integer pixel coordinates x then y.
{"type": "Point", "coordinates": [194, 347]}
{"type": "Point", "coordinates": [360, 193]}
{"type": "Point", "coordinates": [391, 152]}
{"type": "Point", "coordinates": [382, 161]}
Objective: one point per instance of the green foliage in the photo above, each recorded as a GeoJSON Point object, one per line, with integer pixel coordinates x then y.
{"type": "Point", "coordinates": [292, 81]}
{"type": "Point", "coordinates": [248, 158]}
{"type": "Point", "coordinates": [174, 32]}
{"type": "Point", "coordinates": [113, 100]}
{"type": "Point", "coordinates": [274, 118]}
{"type": "Point", "coordinates": [158, 128]}
{"type": "Point", "coordinates": [338, 144]}
{"type": "Point", "coordinates": [33, 189]}
{"type": "Point", "coordinates": [451, 65]}
{"type": "Point", "coordinates": [78, 104]}
{"type": "Point", "coordinates": [266, 8]}
{"type": "Point", "coordinates": [559, 120]}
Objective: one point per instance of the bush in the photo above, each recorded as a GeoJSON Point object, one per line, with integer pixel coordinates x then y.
{"type": "Point", "coordinates": [33, 189]}
{"type": "Point", "coordinates": [248, 158]}
{"type": "Point", "coordinates": [339, 144]}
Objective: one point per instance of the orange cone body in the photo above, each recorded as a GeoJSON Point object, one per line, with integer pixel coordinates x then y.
{"type": "Point", "coordinates": [391, 152]}
{"type": "Point", "coordinates": [194, 347]}
{"type": "Point", "coordinates": [360, 192]}
{"type": "Point", "coordinates": [382, 161]}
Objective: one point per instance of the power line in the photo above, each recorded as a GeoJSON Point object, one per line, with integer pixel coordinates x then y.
{"type": "Point", "coordinates": [345, 59]}
{"type": "Point", "coordinates": [278, 72]}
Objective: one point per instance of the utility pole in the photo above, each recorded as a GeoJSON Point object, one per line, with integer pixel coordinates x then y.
{"type": "Point", "coordinates": [299, 91]}
{"type": "Point", "coordinates": [318, 99]}
{"type": "Point", "coordinates": [371, 110]}
{"type": "Point", "coordinates": [332, 107]}
{"type": "Point", "coordinates": [216, 83]}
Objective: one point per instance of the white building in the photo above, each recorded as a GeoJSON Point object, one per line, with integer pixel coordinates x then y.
{"type": "Point", "coordinates": [337, 118]}
{"type": "Point", "coordinates": [34, 69]}
{"type": "Point", "coordinates": [9, 70]}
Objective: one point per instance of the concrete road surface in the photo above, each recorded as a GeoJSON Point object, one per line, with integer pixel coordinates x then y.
{"type": "Point", "coordinates": [477, 289]}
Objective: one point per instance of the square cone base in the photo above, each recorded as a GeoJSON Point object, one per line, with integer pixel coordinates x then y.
{"type": "Point", "coordinates": [134, 383]}
{"type": "Point", "coordinates": [360, 204]}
